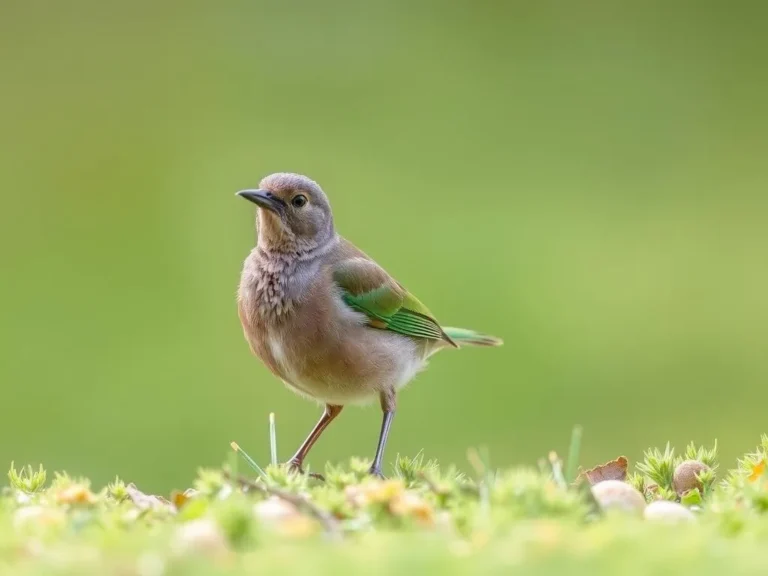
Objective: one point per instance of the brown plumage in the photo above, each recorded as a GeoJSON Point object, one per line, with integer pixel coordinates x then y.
{"type": "Point", "coordinates": [323, 316]}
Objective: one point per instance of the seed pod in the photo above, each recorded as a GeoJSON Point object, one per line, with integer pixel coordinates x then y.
{"type": "Point", "coordinates": [685, 476]}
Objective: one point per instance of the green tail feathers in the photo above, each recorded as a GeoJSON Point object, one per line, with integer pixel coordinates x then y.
{"type": "Point", "coordinates": [464, 337]}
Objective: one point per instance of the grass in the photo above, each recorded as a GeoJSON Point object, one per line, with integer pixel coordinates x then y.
{"type": "Point", "coordinates": [549, 519]}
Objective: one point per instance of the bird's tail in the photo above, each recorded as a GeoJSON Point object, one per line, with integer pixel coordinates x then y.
{"type": "Point", "coordinates": [464, 337]}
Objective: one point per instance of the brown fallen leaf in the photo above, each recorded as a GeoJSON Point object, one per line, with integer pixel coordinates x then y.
{"type": "Point", "coordinates": [613, 470]}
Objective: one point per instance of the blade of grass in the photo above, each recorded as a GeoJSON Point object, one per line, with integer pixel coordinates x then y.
{"type": "Point", "coordinates": [247, 458]}
{"type": "Point", "coordinates": [557, 469]}
{"type": "Point", "coordinates": [572, 464]}
{"type": "Point", "coordinates": [272, 439]}
{"type": "Point", "coordinates": [232, 463]}
{"type": "Point", "coordinates": [479, 459]}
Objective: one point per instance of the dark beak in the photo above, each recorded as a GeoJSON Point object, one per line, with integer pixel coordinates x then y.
{"type": "Point", "coordinates": [264, 199]}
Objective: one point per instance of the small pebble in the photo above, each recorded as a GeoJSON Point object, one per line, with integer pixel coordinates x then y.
{"type": "Point", "coordinates": [202, 535]}
{"type": "Point", "coordinates": [274, 509]}
{"type": "Point", "coordinates": [150, 565]}
{"type": "Point", "coordinates": [618, 495]}
{"type": "Point", "coordinates": [667, 511]}
{"type": "Point", "coordinates": [39, 515]}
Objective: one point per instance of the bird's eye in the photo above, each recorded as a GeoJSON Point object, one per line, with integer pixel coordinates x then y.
{"type": "Point", "coordinates": [299, 201]}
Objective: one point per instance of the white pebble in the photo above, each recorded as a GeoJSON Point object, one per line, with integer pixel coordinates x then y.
{"type": "Point", "coordinates": [274, 509]}
{"type": "Point", "coordinates": [150, 565]}
{"type": "Point", "coordinates": [37, 514]}
{"type": "Point", "coordinates": [202, 535]}
{"type": "Point", "coordinates": [667, 511]}
{"type": "Point", "coordinates": [618, 495]}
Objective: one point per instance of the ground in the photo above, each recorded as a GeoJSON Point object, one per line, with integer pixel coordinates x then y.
{"type": "Point", "coordinates": [676, 513]}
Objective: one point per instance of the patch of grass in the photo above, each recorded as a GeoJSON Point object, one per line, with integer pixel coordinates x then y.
{"type": "Point", "coordinates": [425, 519]}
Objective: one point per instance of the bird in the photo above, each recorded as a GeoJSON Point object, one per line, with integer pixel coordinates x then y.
{"type": "Point", "coordinates": [325, 318]}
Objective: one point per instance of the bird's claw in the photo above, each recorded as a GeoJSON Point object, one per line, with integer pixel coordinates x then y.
{"type": "Point", "coordinates": [294, 467]}
{"type": "Point", "coordinates": [376, 473]}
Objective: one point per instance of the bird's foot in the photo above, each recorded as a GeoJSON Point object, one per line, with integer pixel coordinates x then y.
{"type": "Point", "coordinates": [376, 473]}
{"type": "Point", "coordinates": [294, 466]}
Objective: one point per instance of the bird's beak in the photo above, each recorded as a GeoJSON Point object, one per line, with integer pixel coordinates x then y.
{"type": "Point", "coordinates": [264, 199]}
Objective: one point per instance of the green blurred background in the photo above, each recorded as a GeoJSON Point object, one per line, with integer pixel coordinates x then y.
{"type": "Point", "coordinates": [587, 180]}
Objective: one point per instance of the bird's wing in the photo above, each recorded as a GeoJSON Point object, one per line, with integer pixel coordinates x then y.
{"type": "Point", "coordinates": [367, 288]}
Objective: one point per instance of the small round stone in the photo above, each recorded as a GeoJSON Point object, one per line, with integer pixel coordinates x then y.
{"type": "Point", "coordinates": [201, 535]}
{"type": "Point", "coordinates": [618, 495]}
{"type": "Point", "coordinates": [667, 511]}
{"type": "Point", "coordinates": [685, 476]}
{"type": "Point", "coordinates": [275, 509]}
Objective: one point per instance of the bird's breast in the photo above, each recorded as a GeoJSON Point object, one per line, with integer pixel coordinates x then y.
{"type": "Point", "coordinates": [318, 345]}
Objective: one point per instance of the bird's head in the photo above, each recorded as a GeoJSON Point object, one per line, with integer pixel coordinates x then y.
{"type": "Point", "coordinates": [294, 213]}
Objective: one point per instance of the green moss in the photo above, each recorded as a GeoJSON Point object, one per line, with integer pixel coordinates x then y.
{"type": "Point", "coordinates": [426, 519]}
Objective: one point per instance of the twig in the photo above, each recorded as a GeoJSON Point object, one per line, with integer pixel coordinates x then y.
{"type": "Point", "coordinates": [431, 484]}
{"type": "Point", "coordinates": [433, 487]}
{"type": "Point", "coordinates": [329, 523]}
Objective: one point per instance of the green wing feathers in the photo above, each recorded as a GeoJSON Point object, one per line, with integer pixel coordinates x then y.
{"type": "Point", "coordinates": [464, 337]}
{"type": "Point", "coordinates": [369, 289]}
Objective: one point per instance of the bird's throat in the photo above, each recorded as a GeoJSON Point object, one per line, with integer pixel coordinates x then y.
{"type": "Point", "coordinates": [272, 235]}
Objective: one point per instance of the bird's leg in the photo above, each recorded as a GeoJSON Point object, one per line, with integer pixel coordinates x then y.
{"type": "Point", "coordinates": [388, 404]}
{"type": "Point", "coordinates": [330, 412]}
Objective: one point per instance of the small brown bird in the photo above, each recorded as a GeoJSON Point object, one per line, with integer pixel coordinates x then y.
{"type": "Point", "coordinates": [324, 317]}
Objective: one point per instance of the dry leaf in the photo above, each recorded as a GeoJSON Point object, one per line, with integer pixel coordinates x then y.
{"type": "Point", "coordinates": [145, 501]}
{"type": "Point", "coordinates": [613, 470]}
